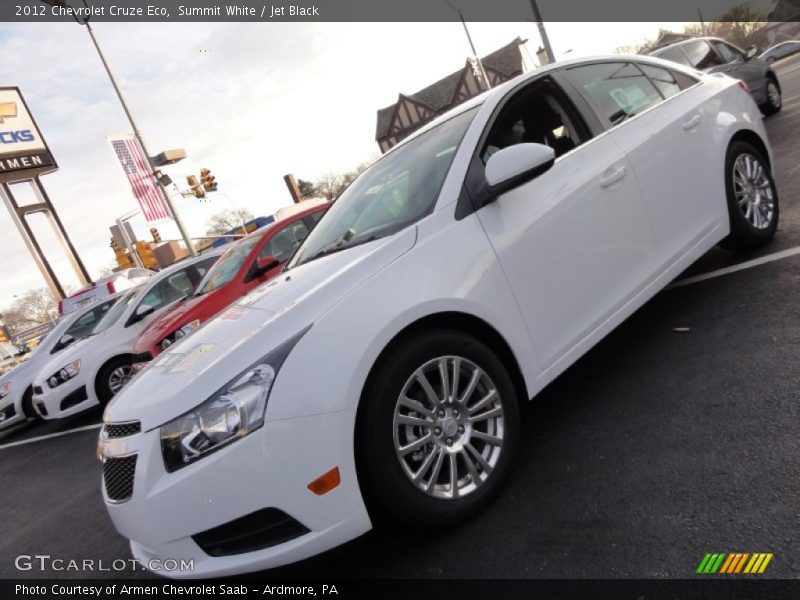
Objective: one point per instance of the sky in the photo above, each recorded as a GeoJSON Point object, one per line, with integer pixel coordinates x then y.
{"type": "Point", "coordinates": [250, 101]}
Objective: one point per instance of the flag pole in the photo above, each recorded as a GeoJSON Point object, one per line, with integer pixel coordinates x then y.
{"type": "Point", "coordinates": [138, 135]}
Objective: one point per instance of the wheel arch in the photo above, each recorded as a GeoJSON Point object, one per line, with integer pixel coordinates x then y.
{"type": "Point", "coordinates": [751, 137]}
{"type": "Point", "coordinates": [454, 321]}
{"type": "Point", "coordinates": [125, 355]}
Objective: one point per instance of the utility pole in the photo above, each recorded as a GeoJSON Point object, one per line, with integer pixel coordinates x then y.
{"type": "Point", "coordinates": [542, 32]}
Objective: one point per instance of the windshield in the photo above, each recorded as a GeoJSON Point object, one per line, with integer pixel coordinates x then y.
{"type": "Point", "coordinates": [115, 312]}
{"type": "Point", "coordinates": [227, 266]}
{"type": "Point", "coordinates": [395, 192]}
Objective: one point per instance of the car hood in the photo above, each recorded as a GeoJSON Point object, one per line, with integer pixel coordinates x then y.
{"type": "Point", "coordinates": [197, 307]}
{"type": "Point", "coordinates": [192, 370]}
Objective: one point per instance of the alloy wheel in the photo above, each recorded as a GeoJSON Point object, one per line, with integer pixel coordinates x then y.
{"type": "Point", "coordinates": [448, 427]}
{"type": "Point", "coordinates": [753, 191]}
{"type": "Point", "coordinates": [118, 378]}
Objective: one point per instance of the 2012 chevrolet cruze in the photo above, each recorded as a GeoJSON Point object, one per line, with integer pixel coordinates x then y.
{"type": "Point", "coordinates": [455, 278]}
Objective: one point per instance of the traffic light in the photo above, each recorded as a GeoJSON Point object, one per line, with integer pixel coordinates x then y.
{"type": "Point", "coordinates": [145, 252]}
{"type": "Point", "coordinates": [156, 235]}
{"type": "Point", "coordinates": [195, 186]}
{"type": "Point", "coordinates": [123, 260]}
{"type": "Point", "coordinates": [208, 180]}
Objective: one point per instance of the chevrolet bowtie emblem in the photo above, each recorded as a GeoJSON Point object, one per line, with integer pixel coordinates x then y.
{"type": "Point", "coordinates": [7, 109]}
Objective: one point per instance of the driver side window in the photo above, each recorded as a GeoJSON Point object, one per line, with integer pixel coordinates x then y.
{"type": "Point", "coordinates": [540, 114]}
{"type": "Point", "coordinates": [728, 53]}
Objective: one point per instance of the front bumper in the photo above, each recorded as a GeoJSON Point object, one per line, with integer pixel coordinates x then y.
{"type": "Point", "coordinates": [11, 413]}
{"type": "Point", "coordinates": [71, 397]}
{"type": "Point", "coordinates": [268, 469]}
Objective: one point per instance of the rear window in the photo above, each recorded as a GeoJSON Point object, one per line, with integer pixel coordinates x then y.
{"type": "Point", "coordinates": [701, 55]}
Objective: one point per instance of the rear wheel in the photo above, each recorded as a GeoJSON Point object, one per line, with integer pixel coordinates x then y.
{"type": "Point", "coordinates": [752, 198]}
{"type": "Point", "coordinates": [439, 429]}
{"type": "Point", "coordinates": [112, 378]}
{"type": "Point", "coordinates": [773, 102]}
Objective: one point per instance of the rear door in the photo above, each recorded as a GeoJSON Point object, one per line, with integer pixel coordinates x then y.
{"type": "Point", "coordinates": [656, 118]}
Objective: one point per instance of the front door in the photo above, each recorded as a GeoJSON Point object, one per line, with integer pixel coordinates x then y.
{"type": "Point", "coordinates": [575, 242]}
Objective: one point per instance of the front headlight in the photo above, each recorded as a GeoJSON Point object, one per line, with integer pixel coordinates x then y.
{"type": "Point", "coordinates": [65, 374]}
{"type": "Point", "coordinates": [4, 389]}
{"type": "Point", "coordinates": [231, 413]}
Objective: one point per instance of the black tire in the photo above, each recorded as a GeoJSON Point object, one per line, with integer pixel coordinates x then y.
{"type": "Point", "coordinates": [103, 384]}
{"type": "Point", "coordinates": [772, 93]}
{"type": "Point", "coordinates": [27, 405]}
{"type": "Point", "coordinates": [744, 234]}
{"type": "Point", "coordinates": [385, 483]}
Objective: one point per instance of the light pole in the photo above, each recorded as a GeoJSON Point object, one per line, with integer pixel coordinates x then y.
{"type": "Point", "coordinates": [542, 32]}
{"type": "Point", "coordinates": [472, 46]}
{"type": "Point", "coordinates": [85, 22]}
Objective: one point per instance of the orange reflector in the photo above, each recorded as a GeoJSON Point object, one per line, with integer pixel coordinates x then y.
{"type": "Point", "coordinates": [325, 483]}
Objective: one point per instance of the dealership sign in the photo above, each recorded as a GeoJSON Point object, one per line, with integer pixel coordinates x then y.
{"type": "Point", "coordinates": [23, 151]}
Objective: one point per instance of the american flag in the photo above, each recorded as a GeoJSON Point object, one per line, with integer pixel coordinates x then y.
{"type": "Point", "coordinates": [143, 184]}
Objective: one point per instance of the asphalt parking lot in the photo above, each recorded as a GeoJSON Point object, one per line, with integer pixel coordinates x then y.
{"type": "Point", "coordinates": [655, 448]}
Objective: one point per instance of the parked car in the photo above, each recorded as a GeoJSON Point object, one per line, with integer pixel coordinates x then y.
{"type": "Point", "coordinates": [94, 369]}
{"type": "Point", "coordinates": [246, 264]}
{"type": "Point", "coordinates": [779, 51]}
{"type": "Point", "coordinates": [713, 55]}
{"type": "Point", "coordinates": [103, 287]}
{"type": "Point", "coordinates": [474, 262]}
{"type": "Point", "coordinates": [16, 386]}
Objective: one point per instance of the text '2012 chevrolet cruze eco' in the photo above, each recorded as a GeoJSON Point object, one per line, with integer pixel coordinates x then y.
{"type": "Point", "coordinates": [383, 370]}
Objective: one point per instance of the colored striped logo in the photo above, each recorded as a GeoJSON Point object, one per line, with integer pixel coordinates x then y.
{"type": "Point", "coordinates": [734, 562]}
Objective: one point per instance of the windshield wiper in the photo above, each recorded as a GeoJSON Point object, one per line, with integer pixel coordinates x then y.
{"type": "Point", "coordinates": [338, 245]}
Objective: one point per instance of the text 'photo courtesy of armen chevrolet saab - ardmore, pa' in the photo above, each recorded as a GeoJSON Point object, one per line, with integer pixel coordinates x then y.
{"type": "Point", "coordinates": [360, 298]}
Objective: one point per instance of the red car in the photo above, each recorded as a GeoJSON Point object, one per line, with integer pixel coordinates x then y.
{"type": "Point", "coordinates": [249, 262]}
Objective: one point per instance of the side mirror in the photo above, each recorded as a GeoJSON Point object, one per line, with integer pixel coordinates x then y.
{"type": "Point", "coordinates": [514, 165]}
{"type": "Point", "coordinates": [751, 52]}
{"type": "Point", "coordinates": [143, 310]}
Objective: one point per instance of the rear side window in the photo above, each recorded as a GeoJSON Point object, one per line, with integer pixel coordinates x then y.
{"type": "Point", "coordinates": [620, 90]}
{"type": "Point", "coordinates": [701, 55]}
{"type": "Point", "coordinates": [674, 54]}
{"type": "Point", "coordinates": [663, 79]}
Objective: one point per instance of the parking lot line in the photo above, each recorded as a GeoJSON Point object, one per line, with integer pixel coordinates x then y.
{"type": "Point", "coordinates": [51, 435]}
{"type": "Point", "coordinates": [762, 260]}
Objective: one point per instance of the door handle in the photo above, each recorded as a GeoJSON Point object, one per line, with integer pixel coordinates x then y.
{"type": "Point", "coordinates": [691, 123]}
{"type": "Point", "coordinates": [610, 177]}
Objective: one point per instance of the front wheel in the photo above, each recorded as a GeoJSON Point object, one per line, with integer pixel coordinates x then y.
{"type": "Point", "coordinates": [438, 431]}
{"type": "Point", "coordinates": [752, 198]}
{"type": "Point", "coordinates": [112, 378]}
{"type": "Point", "coordinates": [27, 405]}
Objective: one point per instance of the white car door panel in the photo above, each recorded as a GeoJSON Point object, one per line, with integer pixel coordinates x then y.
{"type": "Point", "coordinates": [575, 244]}
{"type": "Point", "coordinates": [664, 132]}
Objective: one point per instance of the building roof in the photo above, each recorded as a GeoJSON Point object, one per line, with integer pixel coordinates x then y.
{"type": "Point", "coordinates": [437, 96]}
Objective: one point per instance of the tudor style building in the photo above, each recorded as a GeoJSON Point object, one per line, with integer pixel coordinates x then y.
{"type": "Point", "coordinates": [410, 112]}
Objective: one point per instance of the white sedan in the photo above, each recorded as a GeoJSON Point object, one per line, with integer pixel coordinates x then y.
{"type": "Point", "coordinates": [382, 371]}
{"type": "Point", "coordinates": [16, 386]}
{"type": "Point", "coordinates": [94, 369]}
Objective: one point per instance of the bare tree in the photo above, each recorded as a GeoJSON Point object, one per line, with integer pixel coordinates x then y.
{"type": "Point", "coordinates": [34, 307]}
{"type": "Point", "coordinates": [330, 186]}
{"type": "Point", "coordinates": [224, 221]}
